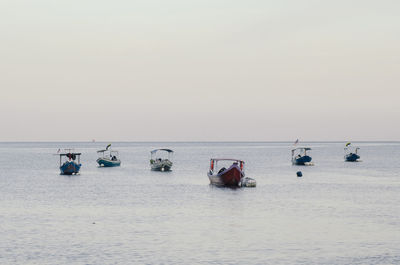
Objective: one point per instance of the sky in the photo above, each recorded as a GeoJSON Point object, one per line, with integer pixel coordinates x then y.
{"type": "Point", "coordinates": [206, 70]}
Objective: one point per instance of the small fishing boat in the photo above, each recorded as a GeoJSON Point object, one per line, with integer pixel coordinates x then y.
{"type": "Point", "coordinates": [300, 156]}
{"type": "Point", "coordinates": [108, 157]}
{"type": "Point", "coordinates": [233, 176]}
{"type": "Point", "coordinates": [161, 159]}
{"type": "Point", "coordinates": [70, 166]}
{"type": "Point", "coordinates": [351, 153]}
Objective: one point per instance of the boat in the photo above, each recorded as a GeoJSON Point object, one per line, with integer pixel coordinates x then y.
{"type": "Point", "coordinates": [70, 166]}
{"type": "Point", "coordinates": [159, 161]}
{"type": "Point", "coordinates": [232, 176]}
{"type": "Point", "coordinates": [300, 156]}
{"type": "Point", "coordinates": [108, 157]}
{"type": "Point", "coordinates": [351, 153]}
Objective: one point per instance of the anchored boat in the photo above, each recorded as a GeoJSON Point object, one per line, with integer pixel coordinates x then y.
{"type": "Point", "coordinates": [108, 157]}
{"type": "Point", "coordinates": [300, 156]}
{"type": "Point", "coordinates": [351, 153]}
{"type": "Point", "coordinates": [159, 161]}
{"type": "Point", "coordinates": [70, 165]}
{"type": "Point", "coordinates": [233, 176]}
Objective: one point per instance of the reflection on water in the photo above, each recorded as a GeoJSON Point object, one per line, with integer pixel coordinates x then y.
{"type": "Point", "coordinates": [336, 213]}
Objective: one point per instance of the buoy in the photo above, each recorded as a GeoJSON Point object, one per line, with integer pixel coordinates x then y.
{"type": "Point", "coordinates": [162, 169]}
{"type": "Point", "coordinates": [299, 174]}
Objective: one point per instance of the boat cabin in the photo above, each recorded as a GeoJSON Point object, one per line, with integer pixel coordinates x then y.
{"type": "Point", "coordinates": [219, 165]}
{"type": "Point", "coordinates": [351, 150]}
{"type": "Point", "coordinates": [69, 157]}
{"type": "Point", "coordinates": [300, 152]}
{"type": "Point", "coordinates": [109, 154]}
{"type": "Point", "coordinates": [159, 155]}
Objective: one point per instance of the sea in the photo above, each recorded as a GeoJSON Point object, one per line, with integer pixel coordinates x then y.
{"type": "Point", "coordinates": [337, 213]}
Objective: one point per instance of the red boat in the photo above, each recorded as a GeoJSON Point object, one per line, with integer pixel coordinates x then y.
{"type": "Point", "coordinates": [231, 177]}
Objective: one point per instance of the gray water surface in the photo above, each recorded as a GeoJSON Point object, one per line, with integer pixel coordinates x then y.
{"type": "Point", "coordinates": [337, 213]}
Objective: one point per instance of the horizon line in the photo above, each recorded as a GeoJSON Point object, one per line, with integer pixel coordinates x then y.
{"type": "Point", "coordinates": [210, 141]}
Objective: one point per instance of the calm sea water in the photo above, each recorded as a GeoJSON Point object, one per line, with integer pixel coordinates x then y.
{"type": "Point", "coordinates": [338, 213]}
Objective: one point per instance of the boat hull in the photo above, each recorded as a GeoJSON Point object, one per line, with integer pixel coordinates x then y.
{"type": "Point", "coordinates": [164, 165]}
{"type": "Point", "coordinates": [304, 160]}
{"type": "Point", "coordinates": [230, 177]}
{"type": "Point", "coordinates": [69, 168]}
{"type": "Point", "coordinates": [103, 162]}
{"type": "Point", "coordinates": [352, 157]}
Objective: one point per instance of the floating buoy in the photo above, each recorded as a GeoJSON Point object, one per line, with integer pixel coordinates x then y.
{"type": "Point", "coordinates": [299, 174]}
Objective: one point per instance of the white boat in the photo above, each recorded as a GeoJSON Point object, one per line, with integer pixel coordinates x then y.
{"type": "Point", "coordinates": [159, 162]}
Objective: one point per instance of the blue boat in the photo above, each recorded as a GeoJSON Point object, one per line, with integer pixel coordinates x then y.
{"type": "Point", "coordinates": [300, 156]}
{"type": "Point", "coordinates": [70, 165]}
{"type": "Point", "coordinates": [351, 153]}
{"type": "Point", "coordinates": [108, 158]}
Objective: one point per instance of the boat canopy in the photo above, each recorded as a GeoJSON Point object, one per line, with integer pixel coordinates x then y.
{"type": "Point", "coordinates": [70, 156]}
{"type": "Point", "coordinates": [215, 161]}
{"type": "Point", "coordinates": [227, 159]}
{"type": "Point", "coordinates": [166, 150]}
{"type": "Point", "coordinates": [302, 148]}
{"type": "Point", "coordinates": [109, 150]}
{"type": "Point", "coordinates": [67, 154]}
{"type": "Point", "coordinates": [351, 147]}
{"type": "Point", "coordinates": [105, 150]}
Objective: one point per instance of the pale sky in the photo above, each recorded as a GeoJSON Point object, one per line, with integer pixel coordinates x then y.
{"type": "Point", "coordinates": [206, 70]}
